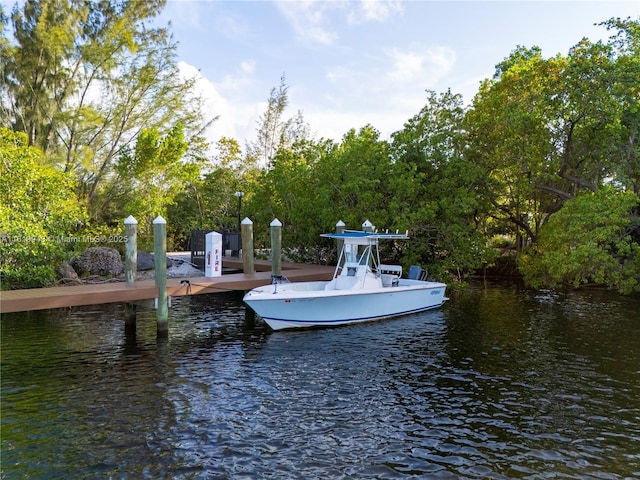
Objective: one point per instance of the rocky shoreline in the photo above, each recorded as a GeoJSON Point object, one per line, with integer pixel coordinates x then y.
{"type": "Point", "coordinates": [104, 265]}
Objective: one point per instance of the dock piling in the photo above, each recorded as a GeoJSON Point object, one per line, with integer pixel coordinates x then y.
{"type": "Point", "coordinates": [130, 270]}
{"type": "Point", "coordinates": [247, 246]}
{"type": "Point", "coordinates": [367, 226]}
{"type": "Point", "coordinates": [160, 258]}
{"type": "Point", "coordinates": [276, 247]}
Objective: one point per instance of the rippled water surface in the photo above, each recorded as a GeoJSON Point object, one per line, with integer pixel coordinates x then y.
{"type": "Point", "coordinates": [500, 383]}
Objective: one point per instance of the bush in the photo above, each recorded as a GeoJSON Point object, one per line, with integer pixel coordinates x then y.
{"type": "Point", "coordinates": [39, 213]}
{"type": "Point", "coordinates": [589, 241]}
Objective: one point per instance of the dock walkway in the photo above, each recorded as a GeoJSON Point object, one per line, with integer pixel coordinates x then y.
{"type": "Point", "coordinates": [71, 296]}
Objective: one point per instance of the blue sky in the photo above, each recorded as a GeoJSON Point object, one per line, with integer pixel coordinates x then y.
{"type": "Point", "coordinates": [350, 63]}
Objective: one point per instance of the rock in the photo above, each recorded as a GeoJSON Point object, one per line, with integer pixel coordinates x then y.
{"type": "Point", "coordinates": [184, 269]}
{"type": "Point", "coordinates": [99, 261]}
{"type": "Point", "coordinates": [145, 261]}
{"type": "Point", "coordinates": [68, 275]}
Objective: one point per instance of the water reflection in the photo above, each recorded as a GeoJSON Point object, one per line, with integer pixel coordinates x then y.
{"type": "Point", "coordinates": [501, 383]}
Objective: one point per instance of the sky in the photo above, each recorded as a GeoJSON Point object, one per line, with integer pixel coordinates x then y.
{"type": "Point", "coordinates": [349, 63]}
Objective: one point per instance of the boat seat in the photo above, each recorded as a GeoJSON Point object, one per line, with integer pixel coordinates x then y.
{"type": "Point", "coordinates": [390, 269]}
{"type": "Point", "coordinates": [415, 272]}
{"type": "Point", "coordinates": [418, 273]}
{"type": "Point", "coordinates": [389, 280]}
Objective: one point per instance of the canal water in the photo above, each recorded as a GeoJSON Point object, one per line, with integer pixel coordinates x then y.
{"type": "Point", "coordinates": [501, 383]}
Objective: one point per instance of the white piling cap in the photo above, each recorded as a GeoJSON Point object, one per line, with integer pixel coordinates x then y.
{"type": "Point", "coordinates": [247, 221]}
{"type": "Point", "coordinates": [366, 224]}
{"type": "Point", "coordinates": [130, 220]}
{"type": "Point", "coordinates": [275, 223]}
{"type": "Point", "coordinates": [158, 220]}
{"type": "Point", "coordinates": [340, 224]}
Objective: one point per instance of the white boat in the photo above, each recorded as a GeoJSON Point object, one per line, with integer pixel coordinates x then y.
{"type": "Point", "coordinates": [362, 289]}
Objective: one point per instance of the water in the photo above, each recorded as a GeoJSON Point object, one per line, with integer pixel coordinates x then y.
{"type": "Point", "coordinates": [500, 383]}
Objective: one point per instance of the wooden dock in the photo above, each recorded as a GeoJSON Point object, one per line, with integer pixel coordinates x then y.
{"type": "Point", "coordinates": [71, 296]}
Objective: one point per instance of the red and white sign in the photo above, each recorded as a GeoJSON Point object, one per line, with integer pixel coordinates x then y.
{"type": "Point", "coordinates": [213, 254]}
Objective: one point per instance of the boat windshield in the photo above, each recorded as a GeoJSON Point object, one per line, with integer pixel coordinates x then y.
{"type": "Point", "coordinates": [357, 254]}
{"type": "Point", "coordinates": [350, 253]}
{"type": "Point", "coordinates": [364, 257]}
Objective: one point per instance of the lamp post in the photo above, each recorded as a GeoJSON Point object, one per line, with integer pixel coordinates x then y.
{"type": "Point", "coordinates": [239, 195]}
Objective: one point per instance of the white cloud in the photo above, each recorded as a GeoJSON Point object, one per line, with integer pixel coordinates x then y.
{"type": "Point", "coordinates": [231, 25]}
{"type": "Point", "coordinates": [188, 15]}
{"type": "Point", "coordinates": [248, 66]}
{"type": "Point", "coordinates": [308, 20]}
{"type": "Point", "coordinates": [237, 117]}
{"type": "Point", "coordinates": [396, 74]}
{"type": "Point", "coordinates": [384, 90]}
{"type": "Point", "coordinates": [373, 10]}
{"type": "Point", "coordinates": [334, 123]}
{"type": "Point", "coordinates": [202, 16]}
{"type": "Point", "coordinates": [316, 20]}
{"type": "Point", "coordinates": [378, 56]}
{"type": "Point", "coordinates": [427, 65]}
{"type": "Point", "coordinates": [406, 65]}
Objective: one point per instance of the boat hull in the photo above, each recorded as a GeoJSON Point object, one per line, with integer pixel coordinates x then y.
{"type": "Point", "coordinates": [309, 305]}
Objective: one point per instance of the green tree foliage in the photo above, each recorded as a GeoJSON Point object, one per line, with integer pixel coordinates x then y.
{"type": "Point", "coordinates": [208, 201]}
{"type": "Point", "coordinates": [352, 179]}
{"type": "Point", "coordinates": [548, 153]}
{"type": "Point", "coordinates": [510, 140]}
{"type": "Point", "coordinates": [313, 184]}
{"type": "Point", "coordinates": [85, 78]}
{"type": "Point", "coordinates": [625, 85]}
{"type": "Point", "coordinates": [544, 129]}
{"type": "Point", "coordinates": [545, 132]}
{"type": "Point", "coordinates": [39, 214]}
{"type": "Point", "coordinates": [274, 132]}
{"type": "Point", "coordinates": [434, 190]}
{"type": "Point", "coordinates": [152, 174]}
{"type": "Point", "coordinates": [591, 240]}
{"type": "Point", "coordinates": [288, 192]}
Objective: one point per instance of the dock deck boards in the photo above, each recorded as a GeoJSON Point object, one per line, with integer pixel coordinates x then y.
{"type": "Point", "coordinates": [93, 294]}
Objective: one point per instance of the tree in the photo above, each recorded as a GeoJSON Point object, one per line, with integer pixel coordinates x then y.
{"type": "Point", "coordinates": [39, 215]}
{"type": "Point", "coordinates": [208, 201]}
{"type": "Point", "coordinates": [625, 85]}
{"type": "Point", "coordinates": [288, 192]}
{"type": "Point", "coordinates": [593, 239]}
{"type": "Point", "coordinates": [35, 76]}
{"type": "Point", "coordinates": [434, 190]}
{"type": "Point", "coordinates": [586, 115]}
{"type": "Point", "coordinates": [313, 184]}
{"type": "Point", "coordinates": [152, 175]}
{"type": "Point", "coordinates": [84, 79]}
{"type": "Point", "coordinates": [544, 130]}
{"type": "Point", "coordinates": [352, 179]}
{"type": "Point", "coordinates": [274, 132]}
{"type": "Point", "coordinates": [509, 138]}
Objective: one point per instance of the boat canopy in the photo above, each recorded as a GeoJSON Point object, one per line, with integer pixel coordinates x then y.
{"type": "Point", "coordinates": [364, 238]}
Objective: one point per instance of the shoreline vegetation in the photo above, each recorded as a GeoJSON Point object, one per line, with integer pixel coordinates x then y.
{"type": "Point", "coordinates": [543, 162]}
